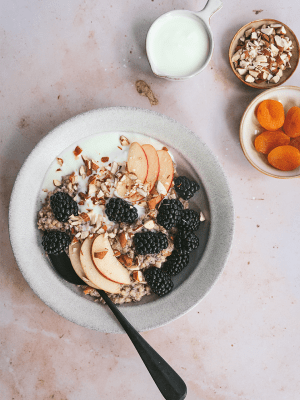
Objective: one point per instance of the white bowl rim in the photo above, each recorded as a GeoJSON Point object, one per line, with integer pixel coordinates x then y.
{"type": "Point", "coordinates": [53, 290]}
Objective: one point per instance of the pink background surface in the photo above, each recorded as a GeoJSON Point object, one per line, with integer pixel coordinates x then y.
{"type": "Point", "coordinates": [242, 341]}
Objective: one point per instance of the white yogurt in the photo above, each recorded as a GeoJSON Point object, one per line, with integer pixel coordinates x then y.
{"type": "Point", "coordinates": [177, 45]}
{"type": "Point", "coordinates": [94, 147]}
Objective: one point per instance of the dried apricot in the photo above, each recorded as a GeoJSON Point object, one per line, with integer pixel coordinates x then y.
{"type": "Point", "coordinates": [292, 122]}
{"type": "Point", "coordinates": [295, 142]}
{"type": "Point", "coordinates": [268, 140]}
{"type": "Point", "coordinates": [285, 158]}
{"type": "Point", "coordinates": [270, 114]}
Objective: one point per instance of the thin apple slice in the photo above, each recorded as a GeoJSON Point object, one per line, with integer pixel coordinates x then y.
{"type": "Point", "coordinates": [91, 271]}
{"type": "Point", "coordinates": [166, 169]}
{"type": "Point", "coordinates": [153, 169]}
{"type": "Point", "coordinates": [108, 266]}
{"type": "Point", "coordinates": [74, 254]}
{"type": "Point", "coordinates": [153, 164]}
{"type": "Point", "coordinates": [137, 161]}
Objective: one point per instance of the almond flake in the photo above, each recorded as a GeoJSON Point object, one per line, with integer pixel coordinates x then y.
{"type": "Point", "coordinates": [77, 151]}
{"type": "Point", "coordinates": [104, 159]}
{"type": "Point", "coordinates": [124, 259]}
{"type": "Point", "coordinates": [122, 239]}
{"type": "Point", "coordinates": [149, 224]}
{"type": "Point", "coordinates": [60, 161]}
{"type": "Point", "coordinates": [84, 216]}
{"type": "Point", "coordinates": [94, 165]}
{"type": "Point", "coordinates": [138, 276]}
{"type": "Point", "coordinates": [100, 254]}
{"type": "Point", "coordinates": [84, 234]}
{"type": "Point", "coordinates": [124, 141]}
{"type": "Point", "coordinates": [56, 182]}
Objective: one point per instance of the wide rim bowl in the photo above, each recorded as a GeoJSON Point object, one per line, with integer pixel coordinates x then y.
{"type": "Point", "coordinates": [249, 124]}
{"type": "Point", "coordinates": [25, 238]}
{"type": "Point", "coordinates": [286, 73]}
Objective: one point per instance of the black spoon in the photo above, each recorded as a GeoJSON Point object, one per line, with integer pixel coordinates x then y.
{"type": "Point", "coordinates": [171, 386]}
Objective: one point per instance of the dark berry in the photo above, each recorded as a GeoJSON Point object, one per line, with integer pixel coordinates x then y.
{"type": "Point", "coordinates": [175, 263]}
{"type": "Point", "coordinates": [190, 220]}
{"type": "Point", "coordinates": [119, 210]}
{"type": "Point", "coordinates": [186, 241]}
{"type": "Point", "coordinates": [159, 281]}
{"type": "Point", "coordinates": [185, 187]}
{"type": "Point", "coordinates": [169, 213]}
{"type": "Point", "coordinates": [63, 206]}
{"type": "Point", "coordinates": [150, 242]}
{"type": "Point", "coordinates": [55, 242]}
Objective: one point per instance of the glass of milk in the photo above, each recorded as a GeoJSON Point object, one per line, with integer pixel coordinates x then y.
{"type": "Point", "coordinates": [179, 43]}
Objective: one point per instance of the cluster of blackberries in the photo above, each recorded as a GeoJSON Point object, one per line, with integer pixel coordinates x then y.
{"type": "Point", "coordinates": [171, 214]}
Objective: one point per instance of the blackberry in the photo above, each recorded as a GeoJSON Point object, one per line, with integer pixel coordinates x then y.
{"type": "Point", "coordinates": [185, 187]}
{"type": "Point", "coordinates": [150, 242]}
{"type": "Point", "coordinates": [63, 206]}
{"type": "Point", "coordinates": [159, 281]}
{"type": "Point", "coordinates": [185, 241]}
{"type": "Point", "coordinates": [55, 242]}
{"type": "Point", "coordinates": [169, 213]}
{"type": "Point", "coordinates": [175, 263]}
{"type": "Point", "coordinates": [190, 220]}
{"type": "Point", "coordinates": [119, 210]}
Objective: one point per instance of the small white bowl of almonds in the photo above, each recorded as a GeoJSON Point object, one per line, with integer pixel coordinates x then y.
{"type": "Point", "coordinates": [264, 53]}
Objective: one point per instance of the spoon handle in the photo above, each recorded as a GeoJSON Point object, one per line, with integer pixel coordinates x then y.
{"type": "Point", "coordinates": [171, 386]}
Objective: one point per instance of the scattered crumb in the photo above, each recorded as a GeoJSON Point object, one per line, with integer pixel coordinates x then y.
{"type": "Point", "coordinates": [257, 11]}
{"type": "Point", "coordinates": [144, 90]}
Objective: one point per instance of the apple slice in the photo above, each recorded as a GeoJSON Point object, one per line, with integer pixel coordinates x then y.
{"type": "Point", "coordinates": [137, 161]}
{"type": "Point", "coordinates": [153, 169]}
{"type": "Point", "coordinates": [166, 169]}
{"type": "Point", "coordinates": [91, 271]}
{"type": "Point", "coordinates": [74, 254]}
{"type": "Point", "coordinates": [153, 164]}
{"type": "Point", "coordinates": [108, 266]}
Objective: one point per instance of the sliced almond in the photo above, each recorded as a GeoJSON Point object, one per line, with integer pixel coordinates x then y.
{"type": "Point", "coordinates": [94, 165]}
{"type": "Point", "coordinates": [124, 141]}
{"type": "Point", "coordinates": [77, 151]}
{"type": "Point", "coordinates": [56, 182]}
{"type": "Point", "coordinates": [100, 254]}
{"type": "Point", "coordinates": [138, 276]}
{"type": "Point", "coordinates": [149, 224]}
{"type": "Point", "coordinates": [123, 239]}
{"type": "Point", "coordinates": [60, 161]}
{"type": "Point", "coordinates": [124, 259]}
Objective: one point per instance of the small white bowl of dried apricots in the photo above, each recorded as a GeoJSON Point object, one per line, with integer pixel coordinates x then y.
{"type": "Point", "coordinates": [270, 132]}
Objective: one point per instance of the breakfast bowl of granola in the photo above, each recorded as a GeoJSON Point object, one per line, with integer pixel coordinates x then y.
{"type": "Point", "coordinates": [264, 53]}
{"type": "Point", "coordinates": [140, 205]}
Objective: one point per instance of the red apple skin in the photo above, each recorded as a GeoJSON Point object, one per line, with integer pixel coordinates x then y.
{"type": "Point", "coordinates": [153, 164]}
{"type": "Point", "coordinates": [153, 169]}
{"type": "Point", "coordinates": [100, 271]}
{"type": "Point", "coordinates": [137, 162]}
{"type": "Point", "coordinates": [166, 171]}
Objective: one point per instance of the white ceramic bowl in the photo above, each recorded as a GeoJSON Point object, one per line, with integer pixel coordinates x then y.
{"type": "Point", "coordinates": [289, 96]}
{"type": "Point", "coordinates": [214, 199]}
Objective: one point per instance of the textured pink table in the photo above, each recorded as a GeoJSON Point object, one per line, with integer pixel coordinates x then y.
{"type": "Point", "coordinates": [242, 341]}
